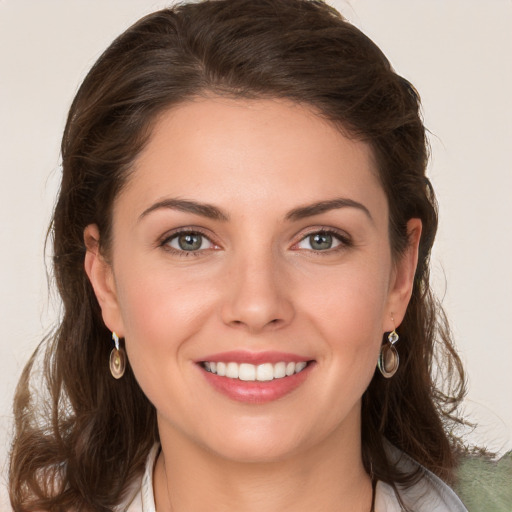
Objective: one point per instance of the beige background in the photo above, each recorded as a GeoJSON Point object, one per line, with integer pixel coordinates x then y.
{"type": "Point", "coordinates": [457, 53]}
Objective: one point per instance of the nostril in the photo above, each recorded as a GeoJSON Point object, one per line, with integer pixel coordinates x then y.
{"type": "Point", "coordinates": [274, 323]}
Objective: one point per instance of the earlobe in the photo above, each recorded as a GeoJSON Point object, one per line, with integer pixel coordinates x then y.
{"type": "Point", "coordinates": [101, 277]}
{"type": "Point", "coordinates": [403, 281]}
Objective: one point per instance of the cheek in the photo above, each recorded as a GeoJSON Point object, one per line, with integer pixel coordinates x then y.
{"type": "Point", "coordinates": [161, 310]}
{"type": "Point", "coordinates": [161, 313]}
{"type": "Point", "coordinates": [349, 303]}
{"type": "Point", "coordinates": [155, 297]}
{"type": "Point", "coordinates": [348, 310]}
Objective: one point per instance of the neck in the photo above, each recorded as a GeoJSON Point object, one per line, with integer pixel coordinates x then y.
{"type": "Point", "coordinates": [189, 478]}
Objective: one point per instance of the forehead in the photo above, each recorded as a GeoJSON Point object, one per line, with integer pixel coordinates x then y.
{"type": "Point", "coordinates": [222, 149]}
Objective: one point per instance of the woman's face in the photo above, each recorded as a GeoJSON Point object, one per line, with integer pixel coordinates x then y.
{"type": "Point", "coordinates": [252, 239]}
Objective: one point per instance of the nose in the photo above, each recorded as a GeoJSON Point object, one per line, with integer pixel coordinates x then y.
{"type": "Point", "coordinates": [257, 295]}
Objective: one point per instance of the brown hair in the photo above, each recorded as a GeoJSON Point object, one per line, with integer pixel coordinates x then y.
{"type": "Point", "coordinates": [94, 433]}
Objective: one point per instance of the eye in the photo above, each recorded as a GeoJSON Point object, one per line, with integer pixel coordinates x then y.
{"type": "Point", "coordinates": [322, 241]}
{"type": "Point", "coordinates": [188, 241]}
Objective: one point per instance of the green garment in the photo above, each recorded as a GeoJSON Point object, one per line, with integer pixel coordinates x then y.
{"type": "Point", "coordinates": [485, 485]}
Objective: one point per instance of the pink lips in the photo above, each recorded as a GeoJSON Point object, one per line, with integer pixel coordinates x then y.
{"type": "Point", "coordinates": [255, 392]}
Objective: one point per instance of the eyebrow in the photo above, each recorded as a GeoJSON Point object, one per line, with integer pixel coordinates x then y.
{"type": "Point", "coordinates": [185, 205]}
{"type": "Point", "coordinates": [213, 212]}
{"type": "Point", "coordinates": [303, 212]}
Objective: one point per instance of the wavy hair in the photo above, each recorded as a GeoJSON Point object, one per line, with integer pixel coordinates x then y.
{"type": "Point", "coordinates": [82, 437]}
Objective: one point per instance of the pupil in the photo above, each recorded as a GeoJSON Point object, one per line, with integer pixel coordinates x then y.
{"type": "Point", "coordinates": [190, 242]}
{"type": "Point", "coordinates": [321, 241]}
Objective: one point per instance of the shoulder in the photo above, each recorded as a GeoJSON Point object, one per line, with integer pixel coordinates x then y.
{"type": "Point", "coordinates": [428, 494]}
{"type": "Point", "coordinates": [484, 482]}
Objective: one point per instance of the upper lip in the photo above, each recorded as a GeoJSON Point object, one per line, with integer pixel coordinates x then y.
{"type": "Point", "coordinates": [243, 356]}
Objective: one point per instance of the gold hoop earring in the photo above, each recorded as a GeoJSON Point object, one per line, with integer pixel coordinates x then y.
{"type": "Point", "coordinates": [117, 362]}
{"type": "Point", "coordinates": [388, 361]}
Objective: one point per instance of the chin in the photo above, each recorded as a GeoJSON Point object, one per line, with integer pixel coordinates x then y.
{"type": "Point", "coordinates": [260, 450]}
{"type": "Point", "coordinates": [247, 439]}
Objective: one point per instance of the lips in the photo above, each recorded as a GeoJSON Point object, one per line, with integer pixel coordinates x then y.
{"type": "Point", "coordinates": [255, 377]}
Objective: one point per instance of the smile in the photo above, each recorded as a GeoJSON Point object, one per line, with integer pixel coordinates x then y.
{"type": "Point", "coordinates": [255, 377]}
{"type": "Point", "coordinates": [254, 373]}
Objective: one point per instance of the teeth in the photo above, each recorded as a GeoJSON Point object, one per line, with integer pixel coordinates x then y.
{"type": "Point", "coordinates": [300, 366]}
{"type": "Point", "coordinates": [221, 369]}
{"type": "Point", "coordinates": [249, 372]}
{"type": "Point", "coordinates": [265, 372]}
{"type": "Point", "coordinates": [279, 370]}
{"type": "Point", "coordinates": [232, 370]}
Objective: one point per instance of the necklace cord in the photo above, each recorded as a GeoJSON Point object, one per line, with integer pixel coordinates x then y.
{"type": "Point", "coordinates": [374, 485]}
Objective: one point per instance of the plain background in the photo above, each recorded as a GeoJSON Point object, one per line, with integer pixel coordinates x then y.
{"type": "Point", "coordinates": [456, 52]}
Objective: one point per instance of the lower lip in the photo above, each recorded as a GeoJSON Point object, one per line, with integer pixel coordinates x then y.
{"type": "Point", "coordinates": [255, 392]}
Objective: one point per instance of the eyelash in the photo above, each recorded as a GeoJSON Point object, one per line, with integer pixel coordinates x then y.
{"type": "Point", "coordinates": [166, 240]}
{"type": "Point", "coordinates": [343, 239]}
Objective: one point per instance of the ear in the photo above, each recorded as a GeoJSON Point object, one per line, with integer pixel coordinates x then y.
{"type": "Point", "coordinates": [402, 280]}
{"type": "Point", "coordinates": [101, 276]}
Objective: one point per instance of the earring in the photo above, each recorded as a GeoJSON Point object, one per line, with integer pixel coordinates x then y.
{"type": "Point", "coordinates": [388, 358]}
{"type": "Point", "coordinates": [117, 362]}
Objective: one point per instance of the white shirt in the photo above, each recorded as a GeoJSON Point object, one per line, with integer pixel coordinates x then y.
{"type": "Point", "coordinates": [430, 494]}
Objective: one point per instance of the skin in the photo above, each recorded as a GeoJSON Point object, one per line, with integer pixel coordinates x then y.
{"type": "Point", "coordinates": [256, 284]}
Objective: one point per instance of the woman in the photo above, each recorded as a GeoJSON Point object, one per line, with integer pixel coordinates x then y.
{"type": "Point", "coordinates": [241, 243]}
